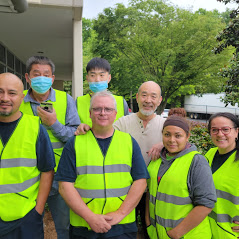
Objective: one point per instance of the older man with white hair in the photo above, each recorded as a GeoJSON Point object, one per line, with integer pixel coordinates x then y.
{"type": "Point", "coordinates": [102, 176]}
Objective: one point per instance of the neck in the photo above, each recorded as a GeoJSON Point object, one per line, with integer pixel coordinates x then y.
{"type": "Point", "coordinates": [39, 97]}
{"type": "Point", "coordinates": [102, 133]}
{"type": "Point", "coordinates": [10, 118]}
{"type": "Point", "coordinates": [227, 150]}
{"type": "Point", "coordinates": [145, 118]}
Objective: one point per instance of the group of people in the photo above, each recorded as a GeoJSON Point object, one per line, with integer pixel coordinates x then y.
{"type": "Point", "coordinates": [99, 168]}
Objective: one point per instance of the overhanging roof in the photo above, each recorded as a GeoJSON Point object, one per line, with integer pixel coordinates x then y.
{"type": "Point", "coordinates": [42, 29]}
{"type": "Point", "coordinates": [13, 6]}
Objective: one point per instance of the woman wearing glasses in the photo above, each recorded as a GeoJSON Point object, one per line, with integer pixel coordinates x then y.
{"type": "Point", "coordinates": [224, 162]}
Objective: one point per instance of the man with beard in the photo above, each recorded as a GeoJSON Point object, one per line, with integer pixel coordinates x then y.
{"type": "Point", "coordinates": [26, 165]}
{"type": "Point", "coordinates": [146, 127]}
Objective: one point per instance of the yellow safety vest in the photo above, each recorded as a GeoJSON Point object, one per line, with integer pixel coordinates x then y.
{"type": "Point", "coordinates": [103, 182]}
{"type": "Point", "coordinates": [60, 106]}
{"type": "Point", "coordinates": [19, 175]}
{"type": "Point", "coordinates": [83, 107]}
{"type": "Point", "coordinates": [169, 199]}
{"type": "Point", "coordinates": [226, 209]}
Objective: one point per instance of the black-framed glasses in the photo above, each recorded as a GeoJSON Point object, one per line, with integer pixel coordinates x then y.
{"type": "Point", "coordinates": [99, 110]}
{"type": "Point", "coordinates": [225, 130]}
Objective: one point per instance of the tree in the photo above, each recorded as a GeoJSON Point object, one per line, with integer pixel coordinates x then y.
{"type": "Point", "coordinates": [150, 40]}
{"type": "Point", "coordinates": [229, 37]}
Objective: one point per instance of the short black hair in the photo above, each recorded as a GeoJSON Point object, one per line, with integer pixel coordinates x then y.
{"type": "Point", "coordinates": [98, 63]}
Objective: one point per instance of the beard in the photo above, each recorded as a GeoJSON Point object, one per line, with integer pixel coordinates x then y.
{"type": "Point", "coordinates": [4, 114]}
{"type": "Point", "coordinates": [146, 112]}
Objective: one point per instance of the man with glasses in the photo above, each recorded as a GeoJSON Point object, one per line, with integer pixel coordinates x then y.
{"type": "Point", "coordinates": [102, 176]}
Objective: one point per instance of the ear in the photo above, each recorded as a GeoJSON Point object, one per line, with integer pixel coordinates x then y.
{"type": "Point", "coordinates": [53, 78]}
{"type": "Point", "coordinates": [188, 136]}
{"type": "Point", "coordinates": [137, 95]}
{"type": "Point", "coordinates": [160, 100]}
{"type": "Point", "coordinates": [109, 79]}
{"type": "Point", "coordinates": [27, 78]}
{"type": "Point", "coordinates": [87, 78]}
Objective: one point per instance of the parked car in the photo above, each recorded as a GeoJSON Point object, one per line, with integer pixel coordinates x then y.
{"type": "Point", "coordinates": [165, 113]}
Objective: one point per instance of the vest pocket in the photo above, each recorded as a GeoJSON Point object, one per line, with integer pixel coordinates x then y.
{"type": "Point", "coordinates": [21, 195]}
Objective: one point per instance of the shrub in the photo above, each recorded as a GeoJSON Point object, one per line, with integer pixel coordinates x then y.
{"type": "Point", "coordinates": [200, 137]}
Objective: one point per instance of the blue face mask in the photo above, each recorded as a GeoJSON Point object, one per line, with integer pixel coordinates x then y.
{"type": "Point", "coordinates": [98, 86]}
{"type": "Point", "coordinates": [41, 84]}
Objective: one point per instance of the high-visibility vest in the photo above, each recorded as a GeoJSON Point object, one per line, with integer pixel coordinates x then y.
{"type": "Point", "coordinates": [169, 200]}
{"type": "Point", "coordinates": [83, 107]}
{"type": "Point", "coordinates": [102, 181]}
{"type": "Point", "coordinates": [60, 106]}
{"type": "Point", "coordinates": [19, 175]}
{"type": "Point", "coordinates": [226, 209]}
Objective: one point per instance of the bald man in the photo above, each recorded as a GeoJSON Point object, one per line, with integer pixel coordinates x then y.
{"type": "Point", "coordinates": [26, 165]}
{"type": "Point", "coordinates": [146, 127]}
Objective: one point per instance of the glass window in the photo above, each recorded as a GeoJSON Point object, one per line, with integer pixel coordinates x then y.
{"type": "Point", "coordinates": [23, 69]}
{"type": "Point", "coordinates": [17, 66]}
{"type": "Point", "coordinates": [10, 70]}
{"type": "Point", "coordinates": [10, 60]}
{"type": "Point", "coordinates": [2, 68]}
{"type": "Point", "coordinates": [2, 54]}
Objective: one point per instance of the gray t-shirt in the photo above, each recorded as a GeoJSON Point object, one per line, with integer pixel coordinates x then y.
{"type": "Point", "coordinates": [200, 182]}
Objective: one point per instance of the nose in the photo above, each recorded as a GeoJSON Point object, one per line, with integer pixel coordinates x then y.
{"type": "Point", "coordinates": [97, 78]}
{"type": "Point", "coordinates": [220, 132]}
{"type": "Point", "coordinates": [172, 139]}
{"type": "Point", "coordinates": [4, 96]}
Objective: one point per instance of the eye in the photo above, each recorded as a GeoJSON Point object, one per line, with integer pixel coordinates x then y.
{"type": "Point", "coordinates": [178, 136]}
{"type": "Point", "coordinates": [166, 134]}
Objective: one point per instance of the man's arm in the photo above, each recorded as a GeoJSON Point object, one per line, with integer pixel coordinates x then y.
{"type": "Point", "coordinates": [60, 131]}
{"type": "Point", "coordinates": [154, 152]}
{"type": "Point", "coordinates": [44, 190]}
{"type": "Point", "coordinates": [98, 223]}
{"type": "Point", "coordinates": [45, 164]}
{"type": "Point", "coordinates": [131, 201]}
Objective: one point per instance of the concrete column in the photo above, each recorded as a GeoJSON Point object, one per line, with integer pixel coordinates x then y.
{"type": "Point", "coordinates": [77, 74]}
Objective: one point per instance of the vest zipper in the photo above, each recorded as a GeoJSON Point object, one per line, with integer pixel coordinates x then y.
{"type": "Point", "coordinates": [104, 167]}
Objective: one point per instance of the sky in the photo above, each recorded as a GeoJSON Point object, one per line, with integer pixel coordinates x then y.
{"type": "Point", "coordinates": [91, 8]}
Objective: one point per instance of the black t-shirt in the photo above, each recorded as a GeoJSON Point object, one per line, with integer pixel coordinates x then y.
{"type": "Point", "coordinates": [220, 159]}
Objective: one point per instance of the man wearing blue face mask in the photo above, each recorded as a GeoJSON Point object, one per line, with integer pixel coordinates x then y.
{"type": "Point", "coordinates": [61, 124]}
{"type": "Point", "coordinates": [98, 77]}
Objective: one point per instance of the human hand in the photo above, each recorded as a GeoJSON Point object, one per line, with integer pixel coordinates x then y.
{"type": "Point", "coordinates": [47, 118]}
{"type": "Point", "coordinates": [235, 228]}
{"type": "Point", "coordinates": [82, 129]}
{"type": "Point", "coordinates": [172, 234]}
{"type": "Point", "coordinates": [154, 152]}
{"type": "Point", "coordinates": [116, 216]}
{"type": "Point", "coordinates": [99, 223]}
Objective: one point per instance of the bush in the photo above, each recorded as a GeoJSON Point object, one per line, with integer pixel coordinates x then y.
{"type": "Point", "coordinates": [200, 137]}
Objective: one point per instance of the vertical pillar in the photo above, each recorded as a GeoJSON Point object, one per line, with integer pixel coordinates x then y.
{"type": "Point", "coordinates": [77, 75]}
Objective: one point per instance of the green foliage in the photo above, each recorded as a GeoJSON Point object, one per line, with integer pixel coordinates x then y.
{"type": "Point", "coordinates": [200, 137]}
{"type": "Point", "coordinates": [229, 37]}
{"type": "Point", "coordinates": [151, 40]}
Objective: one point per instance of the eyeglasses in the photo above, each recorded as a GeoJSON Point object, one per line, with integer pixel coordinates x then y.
{"type": "Point", "coordinates": [224, 130]}
{"type": "Point", "coordinates": [99, 110]}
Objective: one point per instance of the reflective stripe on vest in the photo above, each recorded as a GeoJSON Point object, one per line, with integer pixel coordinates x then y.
{"type": "Point", "coordinates": [103, 182]}
{"type": "Point", "coordinates": [169, 200]}
{"type": "Point", "coordinates": [83, 106]}
{"type": "Point", "coordinates": [226, 208]}
{"type": "Point", "coordinates": [19, 175]}
{"type": "Point", "coordinates": [60, 106]}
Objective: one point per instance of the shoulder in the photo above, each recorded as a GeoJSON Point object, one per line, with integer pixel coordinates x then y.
{"type": "Point", "coordinates": [159, 119]}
